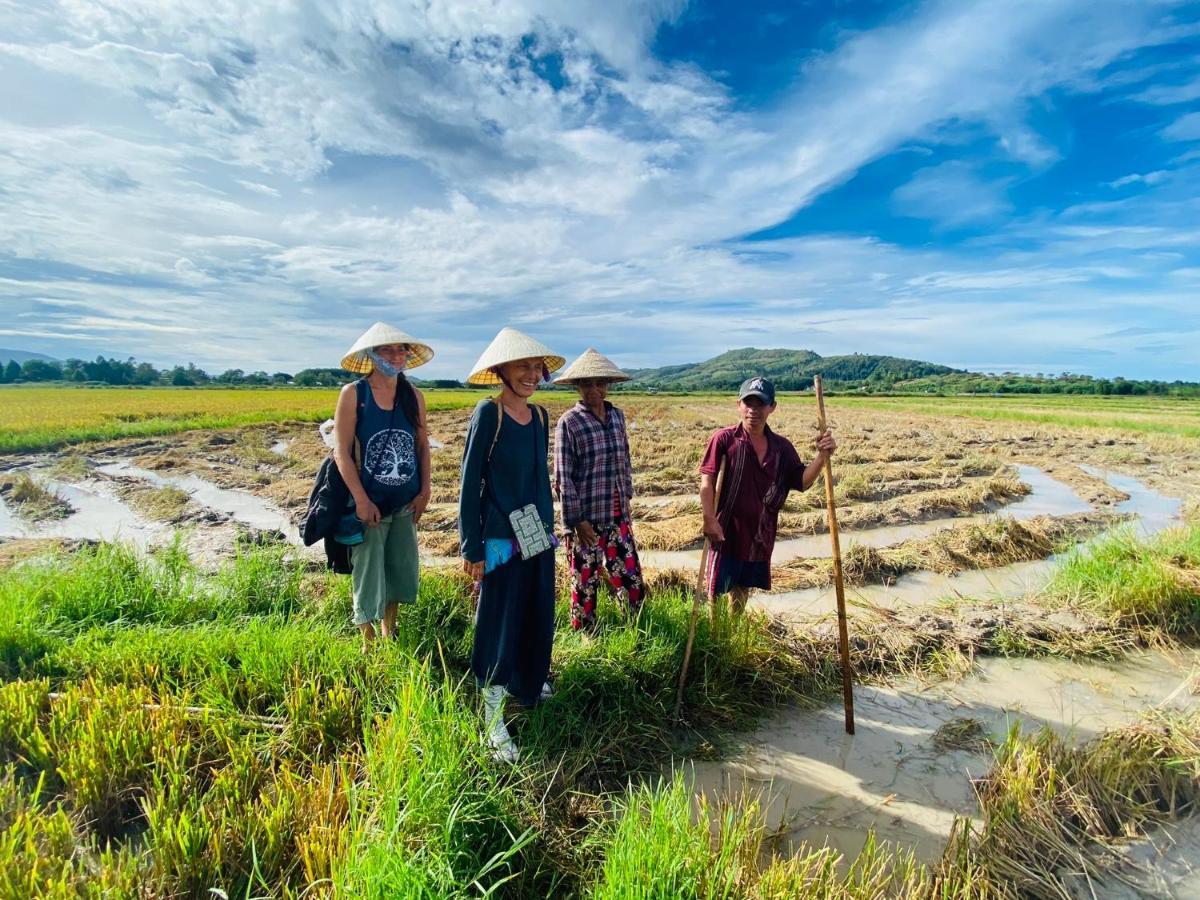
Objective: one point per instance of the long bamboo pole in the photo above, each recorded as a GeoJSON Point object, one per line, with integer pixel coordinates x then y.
{"type": "Point", "coordinates": [698, 597]}
{"type": "Point", "coordinates": [838, 586]}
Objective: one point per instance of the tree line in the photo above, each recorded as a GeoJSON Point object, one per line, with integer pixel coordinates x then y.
{"type": "Point", "coordinates": [890, 379]}
{"type": "Point", "coordinates": [102, 370]}
{"type": "Point", "coordinates": [1066, 383]}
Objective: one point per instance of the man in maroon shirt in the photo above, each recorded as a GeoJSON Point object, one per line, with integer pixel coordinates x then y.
{"type": "Point", "coordinates": [761, 467]}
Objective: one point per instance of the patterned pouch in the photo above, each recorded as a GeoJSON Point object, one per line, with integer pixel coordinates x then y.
{"type": "Point", "coordinates": [530, 531]}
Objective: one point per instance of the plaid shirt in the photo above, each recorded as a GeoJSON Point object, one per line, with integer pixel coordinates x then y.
{"type": "Point", "coordinates": [591, 464]}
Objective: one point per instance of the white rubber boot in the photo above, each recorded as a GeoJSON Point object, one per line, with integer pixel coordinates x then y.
{"type": "Point", "coordinates": [501, 742]}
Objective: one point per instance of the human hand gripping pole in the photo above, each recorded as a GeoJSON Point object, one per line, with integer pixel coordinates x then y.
{"type": "Point", "coordinates": [700, 593]}
{"type": "Point", "coordinates": [839, 588]}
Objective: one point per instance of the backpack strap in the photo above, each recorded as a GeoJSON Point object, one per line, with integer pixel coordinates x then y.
{"type": "Point", "coordinates": [499, 422]}
{"type": "Point", "coordinates": [360, 391]}
{"type": "Point", "coordinates": [545, 416]}
{"type": "Point", "coordinates": [545, 423]}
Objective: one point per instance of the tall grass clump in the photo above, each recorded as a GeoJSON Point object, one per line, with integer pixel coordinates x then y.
{"type": "Point", "coordinates": [248, 667]}
{"type": "Point", "coordinates": [114, 584]}
{"type": "Point", "coordinates": [433, 816]}
{"type": "Point", "coordinates": [1154, 583]}
{"type": "Point", "coordinates": [664, 844]}
{"type": "Point", "coordinates": [106, 583]}
{"type": "Point", "coordinates": [23, 640]}
{"type": "Point", "coordinates": [1053, 812]}
{"type": "Point", "coordinates": [43, 853]}
{"type": "Point", "coordinates": [261, 581]}
{"type": "Point", "coordinates": [188, 800]}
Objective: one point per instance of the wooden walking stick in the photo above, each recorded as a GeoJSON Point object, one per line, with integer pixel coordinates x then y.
{"type": "Point", "coordinates": [698, 597]}
{"type": "Point", "coordinates": [839, 588]}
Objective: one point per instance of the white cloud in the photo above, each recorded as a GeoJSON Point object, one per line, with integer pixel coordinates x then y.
{"type": "Point", "coordinates": [264, 189]}
{"type": "Point", "coordinates": [287, 172]}
{"type": "Point", "coordinates": [1147, 178]}
{"type": "Point", "coordinates": [1185, 128]}
{"type": "Point", "coordinates": [1169, 94]}
{"type": "Point", "coordinates": [952, 195]}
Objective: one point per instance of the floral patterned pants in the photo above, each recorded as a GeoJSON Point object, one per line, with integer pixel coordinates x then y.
{"type": "Point", "coordinates": [614, 552]}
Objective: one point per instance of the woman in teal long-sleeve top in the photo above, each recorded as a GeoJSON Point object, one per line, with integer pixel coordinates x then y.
{"type": "Point", "coordinates": [505, 469]}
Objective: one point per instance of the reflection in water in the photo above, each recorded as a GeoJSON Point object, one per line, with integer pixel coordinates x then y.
{"type": "Point", "coordinates": [1154, 511]}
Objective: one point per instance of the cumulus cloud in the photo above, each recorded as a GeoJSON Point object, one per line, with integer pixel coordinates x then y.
{"type": "Point", "coordinates": [300, 169]}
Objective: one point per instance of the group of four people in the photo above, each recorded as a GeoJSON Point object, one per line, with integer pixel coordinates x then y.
{"type": "Point", "coordinates": [506, 500]}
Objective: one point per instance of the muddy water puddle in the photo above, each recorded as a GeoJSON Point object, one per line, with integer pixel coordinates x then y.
{"type": "Point", "coordinates": [240, 506]}
{"type": "Point", "coordinates": [1047, 497]}
{"type": "Point", "coordinates": [98, 515]}
{"type": "Point", "coordinates": [820, 785]}
{"type": "Point", "coordinates": [1152, 512]}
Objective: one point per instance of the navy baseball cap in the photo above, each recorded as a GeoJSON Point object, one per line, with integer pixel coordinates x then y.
{"type": "Point", "coordinates": [758, 387]}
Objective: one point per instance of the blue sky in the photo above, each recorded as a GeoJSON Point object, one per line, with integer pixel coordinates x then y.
{"type": "Point", "coordinates": [990, 184]}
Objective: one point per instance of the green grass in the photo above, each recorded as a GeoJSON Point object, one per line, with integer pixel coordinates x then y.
{"type": "Point", "coordinates": [1153, 584]}
{"type": "Point", "coordinates": [180, 691]}
{"type": "Point", "coordinates": [180, 730]}
{"type": "Point", "coordinates": [663, 846]}
{"type": "Point", "coordinates": [1142, 415]}
{"type": "Point", "coordinates": [434, 816]}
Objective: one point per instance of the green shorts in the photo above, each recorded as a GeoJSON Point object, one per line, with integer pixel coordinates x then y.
{"type": "Point", "coordinates": [385, 567]}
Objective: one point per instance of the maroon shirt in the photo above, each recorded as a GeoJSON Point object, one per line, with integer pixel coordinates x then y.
{"type": "Point", "coordinates": [752, 493]}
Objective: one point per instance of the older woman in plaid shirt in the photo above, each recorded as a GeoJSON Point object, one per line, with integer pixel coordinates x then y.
{"type": "Point", "coordinates": [593, 479]}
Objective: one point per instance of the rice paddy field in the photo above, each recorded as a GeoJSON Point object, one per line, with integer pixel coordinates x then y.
{"type": "Point", "coordinates": [185, 710]}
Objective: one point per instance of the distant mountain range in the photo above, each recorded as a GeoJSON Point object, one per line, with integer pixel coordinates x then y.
{"type": "Point", "coordinates": [791, 370]}
{"type": "Point", "coordinates": [22, 355]}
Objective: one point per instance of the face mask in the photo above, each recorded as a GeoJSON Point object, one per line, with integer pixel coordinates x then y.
{"type": "Point", "coordinates": [383, 365]}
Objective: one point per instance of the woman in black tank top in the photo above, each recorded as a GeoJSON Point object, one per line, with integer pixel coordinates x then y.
{"type": "Point", "coordinates": [381, 447]}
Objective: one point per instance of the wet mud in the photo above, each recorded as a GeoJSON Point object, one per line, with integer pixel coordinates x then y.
{"type": "Point", "coordinates": [898, 775]}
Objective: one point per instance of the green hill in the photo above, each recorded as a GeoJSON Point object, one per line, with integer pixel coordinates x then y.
{"type": "Point", "coordinates": [791, 370]}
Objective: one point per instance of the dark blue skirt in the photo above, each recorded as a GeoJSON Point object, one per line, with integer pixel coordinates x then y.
{"type": "Point", "coordinates": [514, 627]}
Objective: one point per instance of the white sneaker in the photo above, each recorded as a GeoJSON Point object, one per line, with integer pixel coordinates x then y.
{"type": "Point", "coordinates": [504, 749]}
{"type": "Point", "coordinates": [501, 742]}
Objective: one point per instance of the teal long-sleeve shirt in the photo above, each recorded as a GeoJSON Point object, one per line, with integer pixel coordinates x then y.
{"type": "Point", "coordinates": [517, 474]}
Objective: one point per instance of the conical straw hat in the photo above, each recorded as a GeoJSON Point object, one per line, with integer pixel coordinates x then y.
{"type": "Point", "coordinates": [510, 345]}
{"type": "Point", "coordinates": [379, 334]}
{"type": "Point", "coordinates": [592, 364]}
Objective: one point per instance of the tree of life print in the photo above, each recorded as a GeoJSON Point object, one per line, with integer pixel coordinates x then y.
{"type": "Point", "coordinates": [390, 458]}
